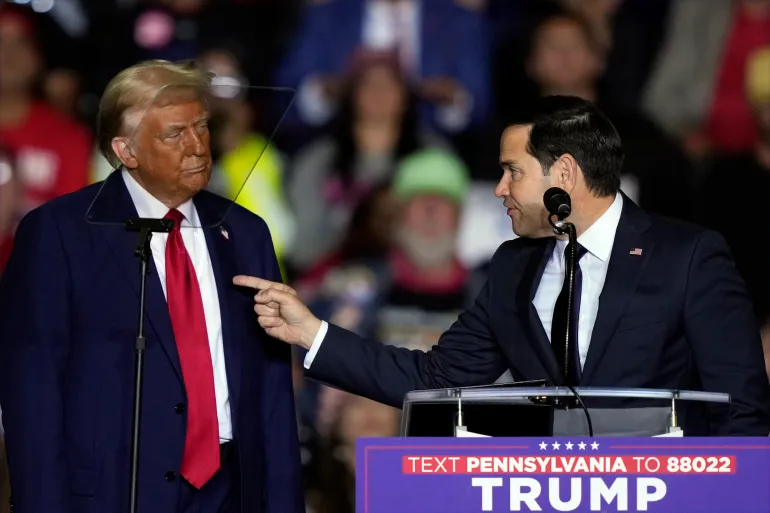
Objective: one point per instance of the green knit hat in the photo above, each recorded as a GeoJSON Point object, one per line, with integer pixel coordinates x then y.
{"type": "Point", "coordinates": [431, 171]}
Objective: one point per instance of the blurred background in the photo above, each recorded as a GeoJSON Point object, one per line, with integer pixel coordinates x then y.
{"type": "Point", "coordinates": [378, 184]}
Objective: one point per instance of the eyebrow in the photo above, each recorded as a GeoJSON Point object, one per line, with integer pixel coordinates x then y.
{"type": "Point", "coordinates": [508, 163]}
{"type": "Point", "coordinates": [181, 126]}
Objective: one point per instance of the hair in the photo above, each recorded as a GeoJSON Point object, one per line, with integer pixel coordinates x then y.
{"type": "Point", "coordinates": [342, 131]}
{"type": "Point", "coordinates": [571, 125]}
{"type": "Point", "coordinates": [360, 242]}
{"type": "Point", "coordinates": [134, 89]}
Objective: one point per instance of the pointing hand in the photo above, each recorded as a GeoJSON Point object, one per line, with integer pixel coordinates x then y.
{"type": "Point", "coordinates": [280, 311]}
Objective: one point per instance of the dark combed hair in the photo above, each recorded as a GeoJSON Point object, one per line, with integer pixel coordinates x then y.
{"type": "Point", "coordinates": [570, 125]}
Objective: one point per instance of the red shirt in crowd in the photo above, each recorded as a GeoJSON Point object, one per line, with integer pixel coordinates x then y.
{"type": "Point", "coordinates": [52, 157]}
{"type": "Point", "coordinates": [731, 125]}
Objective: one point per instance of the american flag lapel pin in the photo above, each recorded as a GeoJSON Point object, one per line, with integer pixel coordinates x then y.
{"type": "Point", "coordinates": [636, 251]}
{"type": "Point", "coordinates": [224, 233]}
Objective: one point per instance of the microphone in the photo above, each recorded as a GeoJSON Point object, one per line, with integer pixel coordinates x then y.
{"type": "Point", "coordinates": [558, 203]}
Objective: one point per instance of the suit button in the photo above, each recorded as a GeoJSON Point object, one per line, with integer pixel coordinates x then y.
{"type": "Point", "coordinates": [170, 476]}
{"type": "Point", "coordinates": [179, 408]}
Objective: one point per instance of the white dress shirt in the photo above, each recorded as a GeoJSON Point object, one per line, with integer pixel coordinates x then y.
{"type": "Point", "coordinates": [195, 243]}
{"type": "Point", "coordinates": [598, 240]}
{"type": "Point", "coordinates": [387, 26]}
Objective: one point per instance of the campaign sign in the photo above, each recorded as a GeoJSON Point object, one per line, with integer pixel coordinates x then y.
{"type": "Point", "coordinates": [470, 475]}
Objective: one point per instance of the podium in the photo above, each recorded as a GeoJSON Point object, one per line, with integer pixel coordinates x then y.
{"type": "Point", "coordinates": [534, 411]}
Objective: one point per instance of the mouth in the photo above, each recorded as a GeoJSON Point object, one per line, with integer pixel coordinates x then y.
{"type": "Point", "coordinates": [198, 169]}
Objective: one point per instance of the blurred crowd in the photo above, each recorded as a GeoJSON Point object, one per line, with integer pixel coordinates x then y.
{"type": "Point", "coordinates": [366, 132]}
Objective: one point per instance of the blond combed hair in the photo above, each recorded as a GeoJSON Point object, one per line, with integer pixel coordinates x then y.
{"type": "Point", "coordinates": [135, 89]}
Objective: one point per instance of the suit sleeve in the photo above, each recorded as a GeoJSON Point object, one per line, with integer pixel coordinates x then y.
{"type": "Point", "coordinates": [724, 336]}
{"type": "Point", "coordinates": [283, 468]}
{"type": "Point", "coordinates": [467, 354]}
{"type": "Point", "coordinates": [34, 322]}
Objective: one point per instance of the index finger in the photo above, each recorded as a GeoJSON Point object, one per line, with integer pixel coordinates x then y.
{"type": "Point", "coordinates": [261, 284]}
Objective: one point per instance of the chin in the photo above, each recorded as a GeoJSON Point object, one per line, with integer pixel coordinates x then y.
{"type": "Point", "coordinates": [518, 230]}
{"type": "Point", "coordinates": [197, 182]}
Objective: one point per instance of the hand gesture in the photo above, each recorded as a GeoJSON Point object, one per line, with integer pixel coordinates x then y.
{"type": "Point", "coordinates": [280, 311]}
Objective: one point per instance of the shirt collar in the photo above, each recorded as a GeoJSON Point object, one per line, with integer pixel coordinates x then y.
{"type": "Point", "coordinates": [600, 236]}
{"type": "Point", "coordinates": [148, 206]}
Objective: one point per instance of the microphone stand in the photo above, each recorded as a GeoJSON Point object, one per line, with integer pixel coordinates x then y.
{"type": "Point", "coordinates": [145, 228]}
{"type": "Point", "coordinates": [562, 227]}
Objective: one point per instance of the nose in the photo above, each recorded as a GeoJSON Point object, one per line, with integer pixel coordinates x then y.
{"type": "Point", "coordinates": [194, 145]}
{"type": "Point", "coordinates": [502, 190]}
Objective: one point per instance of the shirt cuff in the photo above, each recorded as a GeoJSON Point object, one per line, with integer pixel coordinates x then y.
{"type": "Point", "coordinates": [312, 106]}
{"type": "Point", "coordinates": [319, 338]}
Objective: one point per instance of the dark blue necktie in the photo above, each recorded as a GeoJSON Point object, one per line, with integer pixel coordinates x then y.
{"type": "Point", "coordinates": [567, 353]}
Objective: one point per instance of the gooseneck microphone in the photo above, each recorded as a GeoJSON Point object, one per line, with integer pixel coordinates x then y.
{"type": "Point", "coordinates": [559, 206]}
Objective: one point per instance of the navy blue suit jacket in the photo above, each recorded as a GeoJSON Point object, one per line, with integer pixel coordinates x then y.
{"type": "Point", "coordinates": [69, 302]}
{"type": "Point", "coordinates": [675, 317]}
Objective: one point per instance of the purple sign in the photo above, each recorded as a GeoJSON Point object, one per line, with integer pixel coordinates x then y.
{"type": "Point", "coordinates": [470, 475]}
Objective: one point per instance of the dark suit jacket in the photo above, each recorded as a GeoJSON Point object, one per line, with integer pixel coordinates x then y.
{"type": "Point", "coordinates": [68, 313]}
{"type": "Point", "coordinates": [676, 317]}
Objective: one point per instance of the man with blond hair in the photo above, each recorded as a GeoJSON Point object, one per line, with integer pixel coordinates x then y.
{"type": "Point", "coordinates": [218, 429]}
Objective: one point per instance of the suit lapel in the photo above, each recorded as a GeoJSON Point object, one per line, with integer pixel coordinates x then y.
{"type": "Point", "coordinates": [623, 275]}
{"type": "Point", "coordinates": [538, 337]}
{"type": "Point", "coordinates": [218, 241]}
{"type": "Point", "coordinates": [111, 209]}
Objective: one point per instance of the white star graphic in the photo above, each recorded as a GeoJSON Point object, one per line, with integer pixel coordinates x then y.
{"type": "Point", "coordinates": [556, 445]}
{"type": "Point", "coordinates": [582, 446]}
{"type": "Point", "coordinates": [568, 446]}
{"type": "Point", "coordinates": [595, 446]}
{"type": "Point", "coordinates": [543, 446]}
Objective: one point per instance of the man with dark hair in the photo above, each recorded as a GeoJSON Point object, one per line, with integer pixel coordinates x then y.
{"type": "Point", "coordinates": [660, 304]}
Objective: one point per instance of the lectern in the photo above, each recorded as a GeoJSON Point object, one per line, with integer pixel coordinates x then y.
{"type": "Point", "coordinates": [535, 411]}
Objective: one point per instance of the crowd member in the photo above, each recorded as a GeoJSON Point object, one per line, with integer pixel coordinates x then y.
{"type": "Point", "coordinates": [51, 151]}
{"type": "Point", "coordinates": [442, 46]}
{"type": "Point", "coordinates": [376, 126]}
{"type": "Point", "coordinates": [697, 89]}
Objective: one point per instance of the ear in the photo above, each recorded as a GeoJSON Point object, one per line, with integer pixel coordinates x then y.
{"type": "Point", "coordinates": [566, 172]}
{"type": "Point", "coordinates": [122, 148]}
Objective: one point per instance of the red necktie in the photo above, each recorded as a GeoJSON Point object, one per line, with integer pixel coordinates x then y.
{"type": "Point", "coordinates": [201, 446]}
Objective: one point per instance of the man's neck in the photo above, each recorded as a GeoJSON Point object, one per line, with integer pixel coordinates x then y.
{"type": "Point", "coordinates": [588, 212]}
{"type": "Point", "coordinates": [586, 92]}
{"type": "Point", "coordinates": [170, 201]}
{"type": "Point", "coordinates": [13, 109]}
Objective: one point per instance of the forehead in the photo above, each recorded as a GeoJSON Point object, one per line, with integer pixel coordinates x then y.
{"type": "Point", "coordinates": [560, 27]}
{"type": "Point", "coordinates": [174, 114]}
{"type": "Point", "coordinates": [513, 142]}
{"type": "Point", "coordinates": [563, 31]}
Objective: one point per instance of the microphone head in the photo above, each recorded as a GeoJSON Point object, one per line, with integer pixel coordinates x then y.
{"type": "Point", "coordinates": [557, 202]}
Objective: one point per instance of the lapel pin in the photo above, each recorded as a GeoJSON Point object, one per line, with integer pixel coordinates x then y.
{"type": "Point", "coordinates": [224, 233]}
{"type": "Point", "coordinates": [636, 251]}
